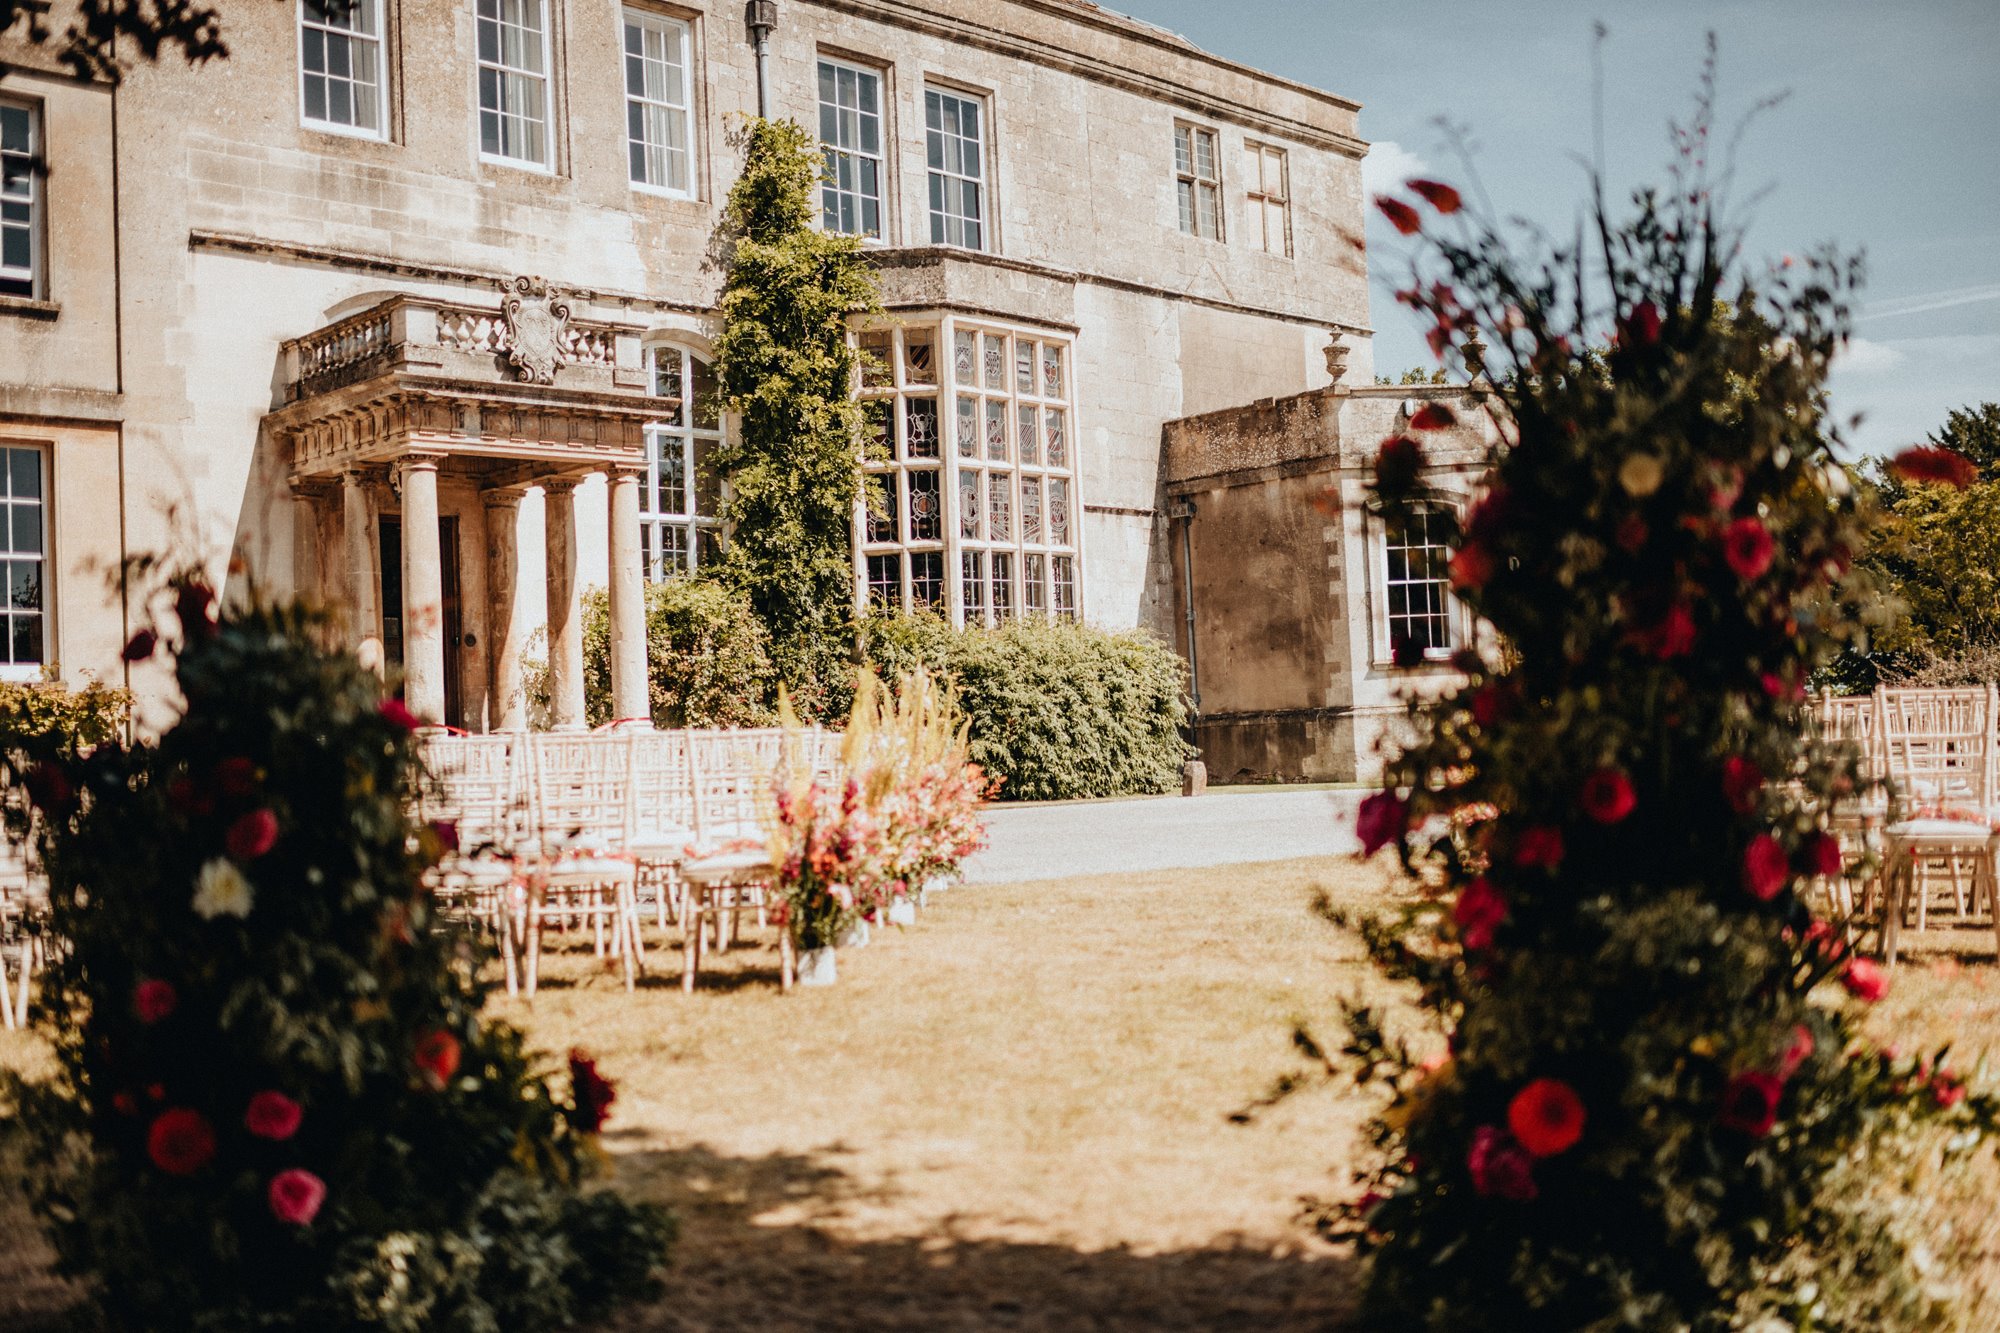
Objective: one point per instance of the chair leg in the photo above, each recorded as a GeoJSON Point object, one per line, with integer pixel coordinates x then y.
{"type": "Point", "coordinates": [6, 1009]}
{"type": "Point", "coordinates": [1901, 864]}
{"type": "Point", "coordinates": [787, 961]}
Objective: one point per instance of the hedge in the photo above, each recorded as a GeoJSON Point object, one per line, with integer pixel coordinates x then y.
{"type": "Point", "coordinates": [707, 657]}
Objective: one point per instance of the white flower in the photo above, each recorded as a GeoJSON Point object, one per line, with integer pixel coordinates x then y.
{"type": "Point", "coordinates": [221, 890]}
{"type": "Point", "coordinates": [1641, 475]}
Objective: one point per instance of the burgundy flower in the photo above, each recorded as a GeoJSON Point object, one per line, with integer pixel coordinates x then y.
{"type": "Point", "coordinates": [236, 776]}
{"type": "Point", "coordinates": [1824, 943]}
{"type": "Point", "coordinates": [274, 1116]}
{"type": "Point", "coordinates": [1928, 464]}
{"type": "Point", "coordinates": [50, 788]}
{"type": "Point", "coordinates": [1433, 416]}
{"type": "Point", "coordinates": [252, 835]}
{"type": "Point", "coordinates": [1671, 636]}
{"type": "Point", "coordinates": [1742, 781]}
{"type": "Point", "coordinates": [1607, 796]}
{"type": "Point", "coordinates": [1382, 819]}
{"type": "Point", "coordinates": [1488, 516]}
{"type": "Point", "coordinates": [446, 831]}
{"type": "Point", "coordinates": [180, 1141]}
{"type": "Point", "coordinates": [1491, 704]}
{"type": "Point", "coordinates": [154, 1000]}
{"type": "Point", "coordinates": [1401, 216]}
{"type": "Point", "coordinates": [1444, 198]}
{"type": "Point", "coordinates": [1499, 1167]}
{"type": "Point", "coordinates": [1632, 534]}
{"type": "Point", "coordinates": [295, 1196]}
{"type": "Point", "coordinates": [1398, 464]}
{"type": "Point", "coordinates": [1747, 547]}
{"type": "Point", "coordinates": [1472, 567]}
{"type": "Point", "coordinates": [1547, 1117]}
{"type": "Point", "coordinates": [141, 645]}
{"type": "Point", "coordinates": [1766, 868]}
{"type": "Point", "coordinates": [436, 1056]}
{"type": "Point", "coordinates": [1782, 687]}
{"type": "Point", "coordinates": [1820, 855]}
{"type": "Point", "coordinates": [1479, 911]}
{"type": "Point", "coordinates": [397, 713]}
{"type": "Point", "coordinates": [1797, 1052]}
{"type": "Point", "coordinates": [1750, 1103]}
{"type": "Point", "coordinates": [1643, 324]}
{"type": "Point", "coordinates": [592, 1091]}
{"type": "Point", "coordinates": [194, 605]}
{"type": "Point", "coordinates": [187, 799]}
{"type": "Point", "coordinates": [1539, 848]}
{"type": "Point", "coordinates": [1865, 980]}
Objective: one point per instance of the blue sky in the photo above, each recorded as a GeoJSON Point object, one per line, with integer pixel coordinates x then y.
{"type": "Point", "coordinates": [1888, 142]}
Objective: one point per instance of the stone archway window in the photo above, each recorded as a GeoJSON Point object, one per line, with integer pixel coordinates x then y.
{"type": "Point", "coordinates": [680, 498]}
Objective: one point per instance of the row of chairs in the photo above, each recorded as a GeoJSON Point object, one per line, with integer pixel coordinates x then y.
{"type": "Point", "coordinates": [1932, 809]}
{"type": "Point", "coordinates": [562, 831]}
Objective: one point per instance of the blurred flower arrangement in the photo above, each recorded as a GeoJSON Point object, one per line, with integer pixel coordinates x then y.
{"type": "Point", "coordinates": [277, 1103]}
{"type": "Point", "coordinates": [905, 813]}
{"type": "Point", "coordinates": [1654, 1111]}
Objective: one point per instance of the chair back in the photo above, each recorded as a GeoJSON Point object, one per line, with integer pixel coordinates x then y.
{"type": "Point", "coordinates": [476, 782]}
{"type": "Point", "coordinates": [582, 790]}
{"type": "Point", "coordinates": [1938, 745]}
{"type": "Point", "coordinates": [662, 783]}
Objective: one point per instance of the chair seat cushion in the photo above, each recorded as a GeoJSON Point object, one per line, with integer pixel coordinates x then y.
{"type": "Point", "coordinates": [1941, 830]}
{"type": "Point", "coordinates": [663, 844]}
{"type": "Point", "coordinates": [726, 864]}
{"type": "Point", "coordinates": [590, 868]}
{"type": "Point", "coordinates": [477, 870]}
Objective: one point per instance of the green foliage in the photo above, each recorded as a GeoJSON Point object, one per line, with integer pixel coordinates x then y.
{"type": "Point", "coordinates": [1414, 375]}
{"type": "Point", "coordinates": [785, 367]}
{"type": "Point", "coordinates": [707, 657]}
{"type": "Point", "coordinates": [1938, 550]}
{"type": "Point", "coordinates": [1058, 711]}
{"type": "Point", "coordinates": [44, 720]}
{"type": "Point", "coordinates": [1619, 820]}
{"type": "Point", "coordinates": [245, 915]}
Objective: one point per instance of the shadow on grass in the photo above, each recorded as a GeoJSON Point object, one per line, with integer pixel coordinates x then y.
{"type": "Point", "coordinates": [756, 1252]}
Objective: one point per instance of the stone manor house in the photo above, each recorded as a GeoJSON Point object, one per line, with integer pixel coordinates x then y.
{"type": "Point", "coordinates": [409, 306]}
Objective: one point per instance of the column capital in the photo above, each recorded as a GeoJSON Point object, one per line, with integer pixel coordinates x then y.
{"type": "Point", "coordinates": [418, 459]}
{"type": "Point", "coordinates": [560, 485]}
{"type": "Point", "coordinates": [503, 497]}
{"type": "Point", "coordinates": [635, 471]}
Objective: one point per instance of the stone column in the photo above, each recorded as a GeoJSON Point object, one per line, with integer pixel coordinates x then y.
{"type": "Point", "coordinates": [423, 589]}
{"type": "Point", "coordinates": [631, 696]}
{"type": "Point", "coordinates": [358, 523]}
{"type": "Point", "coordinates": [305, 543]}
{"type": "Point", "coordinates": [503, 621]}
{"type": "Point", "coordinates": [565, 612]}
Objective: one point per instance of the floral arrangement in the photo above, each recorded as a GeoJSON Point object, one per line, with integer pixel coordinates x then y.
{"type": "Point", "coordinates": [278, 1104]}
{"type": "Point", "coordinates": [1653, 1110]}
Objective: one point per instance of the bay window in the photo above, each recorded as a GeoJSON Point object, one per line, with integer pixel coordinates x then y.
{"type": "Point", "coordinates": [680, 497]}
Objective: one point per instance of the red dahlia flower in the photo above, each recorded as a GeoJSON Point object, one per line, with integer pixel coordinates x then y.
{"type": "Point", "coordinates": [1797, 1053]}
{"type": "Point", "coordinates": [1865, 980]}
{"type": "Point", "coordinates": [1742, 780]}
{"type": "Point", "coordinates": [251, 835]}
{"type": "Point", "coordinates": [154, 1000]}
{"type": "Point", "coordinates": [1401, 216]}
{"type": "Point", "coordinates": [1539, 848]}
{"type": "Point", "coordinates": [592, 1091]}
{"type": "Point", "coordinates": [1479, 911]}
{"type": "Point", "coordinates": [1643, 324]}
{"type": "Point", "coordinates": [1821, 856]}
{"type": "Point", "coordinates": [1607, 796]}
{"type": "Point", "coordinates": [1499, 1168]}
{"type": "Point", "coordinates": [295, 1196]}
{"type": "Point", "coordinates": [1747, 547]}
{"type": "Point", "coordinates": [1766, 868]}
{"type": "Point", "coordinates": [180, 1141]}
{"type": "Point", "coordinates": [436, 1054]}
{"type": "Point", "coordinates": [1382, 819]}
{"type": "Point", "coordinates": [1444, 198]}
{"type": "Point", "coordinates": [1750, 1103]}
{"type": "Point", "coordinates": [273, 1116]}
{"type": "Point", "coordinates": [1547, 1117]}
{"type": "Point", "coordinates": [1671, 636]}
{"type": "Point", "coordinates": [236, 776]}
{"type": "Point", "coordinates": [1928, 464]}
{"type": "Point", "coordinates": [396, 712]}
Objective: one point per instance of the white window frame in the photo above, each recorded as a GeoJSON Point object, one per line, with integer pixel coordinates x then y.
{"type": "Point", "coordinates": [378, 11]}
{"type": "Point", "coordinates": [935, 175]}
{"type": "Point", "coordinates": [831, 150]}
{"type": "Point", "coordinates": [10, 669]}
{"type": "Point", "coordinates": [28, 168]}
{"type": "Point", "coordinates": [546, 162]}
{"type": "Point", "coordinates": [1259, 195]}
{"type": "Point", "coordinates": [1189, 182]}
{"type": "Point", "coordinates": [947, 383]}
{"type": "Point", "coordinates": [683, 433]}
{"type": "Point", "coordinates": [1458, 622]}
{"type": "Point", "coordinates": [681, 33]}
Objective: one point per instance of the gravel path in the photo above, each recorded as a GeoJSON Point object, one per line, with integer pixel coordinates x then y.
{"type": "Point", "coordinates": [1163, 833]}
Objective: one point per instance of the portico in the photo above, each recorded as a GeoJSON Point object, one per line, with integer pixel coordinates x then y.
{"type": "Point", "coordinates": [413, 429]}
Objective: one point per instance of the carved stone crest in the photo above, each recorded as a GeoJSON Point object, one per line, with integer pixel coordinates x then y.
{"type": "Point", "coordinates": [537, 319]}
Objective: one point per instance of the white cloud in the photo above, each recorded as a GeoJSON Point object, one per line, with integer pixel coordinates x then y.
{"type": "Point", "coordinates": [1933, 375]}
{"type": "Point", "coordinates": [1865, 356]}
{"type": "Point", "coordinates": [1387, 166]}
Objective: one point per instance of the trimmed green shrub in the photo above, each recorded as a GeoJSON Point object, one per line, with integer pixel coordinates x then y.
{"type": "Point", "coordinates": [43, 719]}
{"type": "Point", "coordinates": [707, 656]}
{"type": "Point", "coordinates": [1058, 711]}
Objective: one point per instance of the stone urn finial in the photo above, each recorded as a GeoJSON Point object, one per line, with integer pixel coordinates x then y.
{"type": "Point", "coordinates": [1475, 357]}
{"type": "Point", "coordinates": [1337, 352]}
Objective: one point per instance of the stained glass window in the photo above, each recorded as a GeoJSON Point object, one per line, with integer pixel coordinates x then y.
{"type": "Point", "coordinates": [1029, 435]}
{"type": "Point", "coordinates": [885, 582]}
{"type": "Point", "coordinates": [1031, 509]}
{"type": "Point", "coordinates": [1052, 376]}
{"type": "Point", "coordinates": [999, 508]}
{"type": "Point", "coordinates": [926, 506]}
{"type": "Point", "coordinates": [968, 426]}
{"type": "Point", "coordinates": [996, 430]}
{"type": "Point", "coordinates": [970, 515]}
{"type": "Point", "coordinates": [1058, 445]}
{"type": "Point", "coordinates": [1058, 512]}
{"type": "Point", "coordinates": [920, 427]}
{"type": "Point", "coordinates": [965, 353]}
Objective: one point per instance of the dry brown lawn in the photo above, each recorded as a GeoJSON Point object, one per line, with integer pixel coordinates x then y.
{"type": "Point", "coordinates": [1016, 1114]}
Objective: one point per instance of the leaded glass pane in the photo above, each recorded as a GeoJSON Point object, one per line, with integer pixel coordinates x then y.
{"type": "Point", "coordinates": [968, 427]}
{"type": "Point", "coordinates": [707, 396]}
{"type": "Point", "coordinates": [876, 371]}
{"type": "Point", "coordinates": [972, 587]}
{"type": "Point", "coordinates": [965, 353]}
{"type": "Point", "coordinates": [885, 582]}
{"type": "Point", "coordinates": [1058, 437]}
{"type": "Point", "coordinates": [1058, 512]}
{"type": "Point", "coordinates": [996, 430]}
{"type": "Point", "coordinates": [970, 515]}
{"type": "Point", "coordinates": [926, 505]}
{"type": "Point", "coordinates": [1029, 434]}
{"type": "Point", "coordinates": [1064, 567]}
{"type": "Point", "coordinates": [996, 361]}
{"type": "Point", "coordinates": [1003, 585]}
{"type": "Point", "coordinates": [1031, 509]}
{"type": "Point", "coordinates": [1024, 366]}
{"type": "Point", "coordinates": [999, 507]}
{"type": "Point", "coordinates": [1034, 591]}
{"type": "Point", "coordinates": [920, 427]}
{"type": "Point", "coordinates": [1052, 376]}
{"type": "Point", "coordinates": [920, 356]}
{"type": "Point", "coordinates": [885, 514]}
{"type": "Point", "coordinates": [927, 580]}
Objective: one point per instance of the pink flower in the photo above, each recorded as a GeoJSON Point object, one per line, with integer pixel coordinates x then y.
{"type": "Point", "coordinates": [154, 1000]}
{"type": "Point", "coordinates": [1547, 1117]}
{"type": "Point", "coordinates": [1607, 796]}
{"type": "Point", "coordinates": [1383, 818]}
{"type": "Point", "coordinates": [1499, 1168]}
{"type": "Point", "coordinates": [1742, 780]}
{"type": "Point", "coordinates": [1797, 1053]}
{"type": "Point", "coordinates": [251, 835]}
{"type": "Point", "coordinates": [180, 1141]}
{"type": "Point", "coordinates": [1401, 216]}
{"type": "Point", "coordinates": [395, 712]}
{"type": "Point", "coordinates": [1865, 980]}
{"type": "Point", "coordinates": [1479, 911]}
{"type": "Point", "coordinates": [1947, 1089]}
{"type": "Point", "coordinates": [1539, 848]}
{"type": "Point", "coordinates": [273, 1116]}
{"type": "Point", "coordinates": [1766, 868]}
{"type": "Point", "coordinates": [1747, 547]}
{"type": "Point", "coordinates": [1444, 198]}
{"type": "Point", "coordinates": [295, 1196]}
{"type": "Point", "coordinates": [1750, 1103]}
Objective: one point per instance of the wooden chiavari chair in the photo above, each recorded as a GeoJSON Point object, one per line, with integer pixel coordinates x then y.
{"type": "Point", "coordinates": [1938, 747]}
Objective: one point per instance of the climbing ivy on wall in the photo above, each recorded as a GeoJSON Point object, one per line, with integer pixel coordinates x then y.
{"type": "Point", "coordinates": [786, 369]}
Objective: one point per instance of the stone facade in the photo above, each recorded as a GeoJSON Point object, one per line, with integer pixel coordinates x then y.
{"type": "Point", "coordinates": [1281, 576]}
{"type": "Point", "coordinates": [251, 336]}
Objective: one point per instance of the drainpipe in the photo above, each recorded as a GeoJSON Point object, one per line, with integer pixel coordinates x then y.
{"type": "Point", "coordinates": [1183, 510]}
{"type": "Point", "coordinates": [762, 17]}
